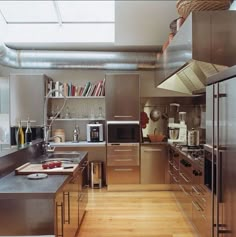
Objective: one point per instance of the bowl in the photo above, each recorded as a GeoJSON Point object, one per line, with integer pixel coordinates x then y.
{"type": "Point", "coordinates": [174, 133]}
{"type": "Point", "coordinates": [156, 137]}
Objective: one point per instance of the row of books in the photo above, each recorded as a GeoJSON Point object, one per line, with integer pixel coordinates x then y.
{"type": "Point", "coordinates": [69, 89]}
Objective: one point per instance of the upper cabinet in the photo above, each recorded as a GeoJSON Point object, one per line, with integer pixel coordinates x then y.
{"type": "Point", "coordinates": [122, 97]}
{"type": "Point", "coordinates": [27, 98]}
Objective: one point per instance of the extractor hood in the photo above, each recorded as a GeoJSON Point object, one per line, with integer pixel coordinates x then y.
{"type": "Point", "coordinates": [204, 45]}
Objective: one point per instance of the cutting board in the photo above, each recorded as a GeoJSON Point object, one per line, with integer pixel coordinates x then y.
{"type": "Point", "coordinates": [29, 168]}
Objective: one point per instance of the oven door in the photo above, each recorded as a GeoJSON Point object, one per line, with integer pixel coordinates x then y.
{"type": "Point", "coordinates": [123, 132]}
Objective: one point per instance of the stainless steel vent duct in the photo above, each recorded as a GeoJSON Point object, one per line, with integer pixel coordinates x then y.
{"type": "Point", "coordinates": [45, 59]}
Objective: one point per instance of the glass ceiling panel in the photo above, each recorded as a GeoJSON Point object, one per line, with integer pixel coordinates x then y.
{"type": "Point", "coordinates": [87, 11]}
{"type": "Point", "coordinates": [28, 11]}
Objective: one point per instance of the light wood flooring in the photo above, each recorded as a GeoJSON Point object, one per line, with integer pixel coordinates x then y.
{"type": "Point", "coordinates": [134, 214]}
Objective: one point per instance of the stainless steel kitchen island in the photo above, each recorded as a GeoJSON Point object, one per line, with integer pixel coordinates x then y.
{"type": "Point", "coordinates": [42, 206]}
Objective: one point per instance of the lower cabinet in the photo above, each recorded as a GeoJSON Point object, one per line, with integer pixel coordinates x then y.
{"type": "Point", "coordinates": [187, 181]}
{"type": "Point", "coordinates": [71, 202]}
{"type": "Point", "coordinates": [123, 175]}
{"type": "Point", "coordinates": [123, 164]}
{"type": "Point", "coordinates": [153, 164]}
{"type": "Point", "coordinates": [67, 214]}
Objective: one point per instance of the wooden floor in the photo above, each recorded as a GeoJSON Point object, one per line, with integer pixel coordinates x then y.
{"type": "Point", "coordinates": [133, 214]}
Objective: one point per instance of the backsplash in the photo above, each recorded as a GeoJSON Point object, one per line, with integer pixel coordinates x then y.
{"type": "Point", "coordinates": [193, 106]}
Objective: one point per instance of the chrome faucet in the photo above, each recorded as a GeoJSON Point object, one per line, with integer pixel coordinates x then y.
{"type": "Point", "coordinates": [46, 127]}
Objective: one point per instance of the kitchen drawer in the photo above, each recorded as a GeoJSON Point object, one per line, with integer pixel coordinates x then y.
{"type": "Point", "coordinates": [123, 175]}
{"type": "Point", "coordinates": [122, 160]}
{"type": "Point", "coordinates": [124, 151]}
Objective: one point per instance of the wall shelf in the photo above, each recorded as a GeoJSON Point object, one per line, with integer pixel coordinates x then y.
{"type": "Point", "coordinates": [78, 119]}
{"type": "Point", "coordinates": [78, 97]}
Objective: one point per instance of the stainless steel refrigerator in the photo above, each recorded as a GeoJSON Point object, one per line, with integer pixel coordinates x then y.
{"type": "Point", "coordinates": [220, 175]}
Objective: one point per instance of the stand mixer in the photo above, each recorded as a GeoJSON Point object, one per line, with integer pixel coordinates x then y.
{"type": "Point", "coordinates": [178, 131]}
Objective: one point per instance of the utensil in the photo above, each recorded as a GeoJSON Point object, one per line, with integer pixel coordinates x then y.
{"type": "Point", "coordinates": [165, 114]}
{"type": "Point", "coordinates": [155, 115]}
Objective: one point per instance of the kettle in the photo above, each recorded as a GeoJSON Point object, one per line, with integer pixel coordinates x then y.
{"type": "Point", "coordinates": [193, 137]}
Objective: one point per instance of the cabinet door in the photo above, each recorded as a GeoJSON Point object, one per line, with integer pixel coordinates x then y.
{"type": "Point", "coordinates": [59, 213]}
{"type": "Point", "coordinates": [122, 97]}
{"type": "Point", "coordinates": [24, 102]}
{"type": "Point", "coordinates": [153, 164]}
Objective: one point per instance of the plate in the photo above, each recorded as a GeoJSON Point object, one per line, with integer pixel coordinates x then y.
{"type": "Point", "coordinates": [37, 176]}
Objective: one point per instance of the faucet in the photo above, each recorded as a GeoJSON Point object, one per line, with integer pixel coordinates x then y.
{"type": "Point", "coordinates": [48, 147]}
{"type": "Point", "coordinates": [46, 127]}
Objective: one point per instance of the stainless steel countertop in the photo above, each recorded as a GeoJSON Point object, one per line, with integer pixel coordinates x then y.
{"type": "Point", "coordinates": [19, 186]}
{"type": "Point", "coordinates": [78, 144]}
{"type": "Point", "coordinates": [154, 143]}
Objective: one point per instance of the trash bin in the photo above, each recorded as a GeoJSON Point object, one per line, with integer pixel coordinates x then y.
{"type": "Point", "coordinates": [96, 174]}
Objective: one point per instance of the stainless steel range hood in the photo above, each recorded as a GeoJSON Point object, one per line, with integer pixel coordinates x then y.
{"type": "Point", "coordinates": [204, 45]}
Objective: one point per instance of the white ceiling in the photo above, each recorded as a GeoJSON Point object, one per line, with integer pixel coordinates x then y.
{"type": "Point", "coordinates": [63, 25]}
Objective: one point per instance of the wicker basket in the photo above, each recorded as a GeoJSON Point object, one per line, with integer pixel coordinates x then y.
{"type": "Point", "coordinates": [184, 7]}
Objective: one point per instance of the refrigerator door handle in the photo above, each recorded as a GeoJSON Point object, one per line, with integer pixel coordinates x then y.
{"type": "Point", "coordinates": [213, 225]}
{"type": "Point", "coordinates": [225, 232]}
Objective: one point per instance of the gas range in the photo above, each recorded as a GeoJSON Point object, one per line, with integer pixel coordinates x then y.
{"type": "Point", "coordinates": [196, 154]}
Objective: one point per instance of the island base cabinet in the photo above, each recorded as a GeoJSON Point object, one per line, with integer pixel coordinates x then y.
{"type": "Point", "coordinates": [26, 217]}
{"type": "Point", "coordinates": [67, 214]}
{"type": "Point", "coordinates": [123, 175]}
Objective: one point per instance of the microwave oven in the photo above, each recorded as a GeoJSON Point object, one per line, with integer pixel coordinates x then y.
{"type": "Point", "coordinates": [123, 132]}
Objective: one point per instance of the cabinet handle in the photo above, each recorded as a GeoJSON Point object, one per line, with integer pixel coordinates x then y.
{"type": "Point", "coordinates": [62, 219]}
{"type": "Point", "coordinates": [182, 188]}
{"type": "Point", "coordinates": [123, 116]}
{"type": "Point", "coordinates": [68, 206]}
{"type": "Point", "coordinates": [118, 150]}
{"type": "Point", "coordinates": [123, 170]}
{"type": "Point", "coordinates": [126, 160]}
{"type": "Point", "coordinates": [170, 173]}
{"type": "Point", "coordinates": [175, 167]}
{"type": "Point", "coordinates": [152, 150]}
{"type": "Point", "coordinates": [197, 207]}
{"type": "Point", "coordinates": [171, 163]}
{"type": "Point", "coordinates": [203, 199]}
{"type": "Point", "coordinates": [195, 190]}
{"type": "Point", "coordinates": [185, 179]}
{"type": "Point", "coordinates": [176, 180]}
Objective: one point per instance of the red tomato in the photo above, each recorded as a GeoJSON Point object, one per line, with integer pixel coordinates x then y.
{"type": "Point", "coordinates": [51, 165]}
{"type": "Point", "coordinates": [57, 163]}
{"type": "Point", "coordinates": [45, 166]}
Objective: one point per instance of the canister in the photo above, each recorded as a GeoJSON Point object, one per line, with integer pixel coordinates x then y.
{"type": "Point", "coordinates": [59, 133]}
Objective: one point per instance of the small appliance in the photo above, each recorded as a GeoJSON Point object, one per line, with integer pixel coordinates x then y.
{"type": "Point", "coordinates": [123, 132]}
{"type": "Point", "coordinates": [95, 132]}
{"type": "Point", "coordinates": [178, 131]}
{"type": "Point", "coordinates": [193, 138]}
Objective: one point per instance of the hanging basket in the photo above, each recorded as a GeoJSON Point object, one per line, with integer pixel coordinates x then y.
{"type": "Point", "coordinates": [185, 7]}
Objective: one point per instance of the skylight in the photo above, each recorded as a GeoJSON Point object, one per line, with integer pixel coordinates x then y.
{"type": "Point", "coordinates": [28, 11]}
{"type": "Point", "coordinates": [47, 11]}
{"type": "Point", "coordinates": [89, 19]}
